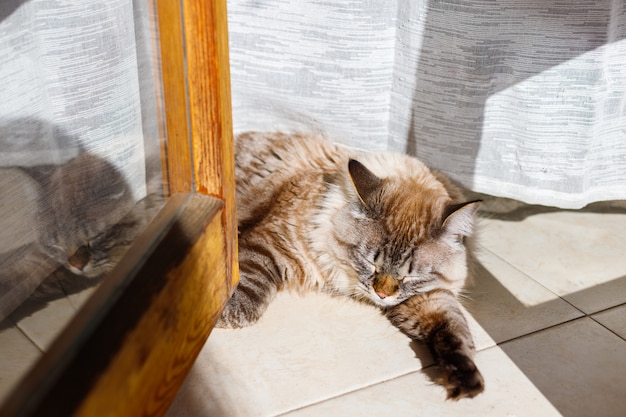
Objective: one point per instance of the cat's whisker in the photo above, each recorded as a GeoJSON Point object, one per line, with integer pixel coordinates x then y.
{"type": "Point", "coordinates": [465, 294]}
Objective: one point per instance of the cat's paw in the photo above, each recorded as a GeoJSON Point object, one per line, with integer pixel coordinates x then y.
{"type": "Point", "coordinates": [233, 321]}
{"type": "Point", "coordinates": [224, 324]}
{"type": "Point", "coordinates": [461, 378]}
{"type": "Point", "coordinates": [237, 315]}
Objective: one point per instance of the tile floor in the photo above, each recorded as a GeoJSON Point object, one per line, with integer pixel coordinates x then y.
{"type": "Point", "coordinates": [548, 311]}
{"type": "Point", "coordinates": [28, 332]}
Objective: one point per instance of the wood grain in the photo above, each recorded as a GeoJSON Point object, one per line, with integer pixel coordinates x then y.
{"type": "Point", "coordinates": [129, 348]}
{"type": "Point", "coordinates": [208, 71]}
{"type": "Point", "coordinates": [173, 79]}
{"type": "Point", "coordinates": [159, 351]}
{"type": "Point", "coordinates": [199, 125]}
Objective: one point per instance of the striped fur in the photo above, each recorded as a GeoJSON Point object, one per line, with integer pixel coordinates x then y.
{"type": "Point", "coordinates": [381, 228]}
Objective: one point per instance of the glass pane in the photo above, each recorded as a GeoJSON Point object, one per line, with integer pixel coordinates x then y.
{"type": "Point", "coordinates": [80, 159]}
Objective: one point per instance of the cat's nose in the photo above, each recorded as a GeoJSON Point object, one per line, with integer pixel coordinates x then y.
{"type": "Point", "coordinates": [381, 294]}
{"type": "Point", "coordinates": [79, 259]}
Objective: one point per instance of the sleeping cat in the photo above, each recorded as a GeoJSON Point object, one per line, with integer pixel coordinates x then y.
{"type": "Point", "coordinates": [85, 220]}
{"type": "Point", "coordinates": [377, 227]}
{"type": "Point", "coordinates": [76, 201]}
{"type": "Point", "coordinates": [99, 254]}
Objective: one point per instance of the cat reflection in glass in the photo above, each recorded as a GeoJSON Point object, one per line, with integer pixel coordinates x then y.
{"type": "Point", "coordinates": [87, 220]}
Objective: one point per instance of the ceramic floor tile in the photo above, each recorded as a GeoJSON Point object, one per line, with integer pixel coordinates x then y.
{"type": "Point", "coordinates": [599, 297]}
{"type": "Point", "coordinates": [578, 366]}
{"type": "Point", "coordinates": [565, 251]}
{"type": "Point", "coordinates": [482, 339]}
{"type": "Point", "coordinates": [17, 355]}
{"type": "Point", "coordinates": [508, 393]}
{"type": "Point", "coordinates": [304, 350]}
{"type": "Point", "coordinates": [43, 321]}
{"type": "Point", "coordinates": [613, 319]}
{"type": "Point", "coordinates": [507, 303]}
{"type": "Point", "coordinates": [77, 300]}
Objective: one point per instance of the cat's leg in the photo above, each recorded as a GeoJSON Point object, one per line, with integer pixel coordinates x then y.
{"type": "Point", "coordinates": [436, 319]}
{"type": "Point", "coordinates": [259, 280]}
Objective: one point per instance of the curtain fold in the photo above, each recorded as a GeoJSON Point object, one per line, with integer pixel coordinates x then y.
{"type": "Point", "coordinates": [525, 100]}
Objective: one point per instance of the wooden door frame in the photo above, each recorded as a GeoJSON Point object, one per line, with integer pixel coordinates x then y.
{"type": "Point", "coordinates": [129, 348]}
{"type": "Point", "coordinates": [195, 75]}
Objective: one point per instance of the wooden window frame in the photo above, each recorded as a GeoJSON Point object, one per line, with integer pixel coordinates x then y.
{"type": "Point", "coordinates": [129, 348]}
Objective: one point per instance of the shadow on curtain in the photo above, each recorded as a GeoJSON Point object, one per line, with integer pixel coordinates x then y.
{"type": "Point", "coordinates": [525, 100]}
{"type": "Point", "coordinates": [521, 100]}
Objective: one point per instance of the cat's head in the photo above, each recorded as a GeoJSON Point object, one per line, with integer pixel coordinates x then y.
{"type": "Point", "coordinates": [98, 256]}
{"type": "Point", "coordinates": [407, 235]}
{"type": "Point", "coordinates": [102, 252]}
{"type": "Point", "coordinates": [79, 202]}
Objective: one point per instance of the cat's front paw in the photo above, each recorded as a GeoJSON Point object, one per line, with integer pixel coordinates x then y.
{"type": "Point", "coordinates": [239, 312]}
{"type": "Point", "coordinates": [461, 378]}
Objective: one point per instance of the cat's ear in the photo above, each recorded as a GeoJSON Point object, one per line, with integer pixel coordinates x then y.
{"type": "Point", "coordinates": [459, 220]}
{"type": "Point", "coordinates": [365, 182]}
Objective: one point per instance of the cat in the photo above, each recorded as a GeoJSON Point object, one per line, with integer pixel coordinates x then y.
{"type": "Point", "coordinates": [100, 254]}
{"type": "Point", "coordinates": [377, 227]}
{"type": "Point", "coordinates": [78, 201]}
{"type": "Point", "coordinates": [85, 220]}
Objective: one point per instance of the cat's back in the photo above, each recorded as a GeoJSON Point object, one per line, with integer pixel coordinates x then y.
{"type": "Point", "coordinates": [260, 154]}
{"type": "Point", "coordinates": [282, 172]}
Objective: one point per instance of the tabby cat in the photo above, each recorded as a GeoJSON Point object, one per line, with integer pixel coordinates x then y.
{"type": "Point", "coordinates": [85, 221]}
{"type": "Point", "coordinates": [377, 227]}
{"type": "Point", "coordinates": [78, 201]}
{"type": "Point", "coordinates": [99, 254]}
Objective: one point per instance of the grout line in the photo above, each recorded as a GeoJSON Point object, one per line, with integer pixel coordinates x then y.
{"type": "Point", "coordinates": [550, 327]}
{"type": "Point", "coordinates": [343, 394]}
{"type": "Point", "coordinates": [607, 328]}
{"type": "Point", "coordinates": [585, 316]}
{"type": "Point", "coordinates": [557, 297]}
{"type": "Point", "coordinates": [30, 339]}
{"type": "Point", "coordinates": [603, 325]}
{"type": "Point", "coordinates": [583, 313]}
{"type": "Point", "coordinates": [526, 274]}
{"type": "Point", "coordinates": [482, 248]}
{"type": "Point", "coordinates": [607, 309]}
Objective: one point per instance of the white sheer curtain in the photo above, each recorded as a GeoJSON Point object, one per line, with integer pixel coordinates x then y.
{"type": "Point", "coordinates": [76, 78]}
{"type": "Point", "coordinates": [519, 99]}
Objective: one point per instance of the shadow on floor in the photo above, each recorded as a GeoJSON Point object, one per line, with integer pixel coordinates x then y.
{"type": "Point", "coordinates": [574, 361]}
